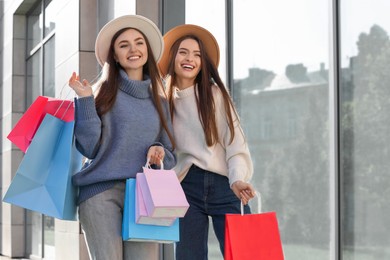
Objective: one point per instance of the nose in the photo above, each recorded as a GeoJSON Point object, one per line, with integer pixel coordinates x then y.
{"type": "Point", "coordinates": [132, 48]}
{"type": "Point", "coordinates": [189, 57]}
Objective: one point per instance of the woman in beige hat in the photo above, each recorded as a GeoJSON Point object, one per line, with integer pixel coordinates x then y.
{"type": "Point", "coordinates": [117, 129]}
{"type": "Point", "coordinates": [213, 159]}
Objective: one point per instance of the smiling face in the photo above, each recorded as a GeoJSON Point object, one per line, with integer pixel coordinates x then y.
{"type": "Point", "coordinates": [131, 53]}
{"type": "Point", "coordinates": [187, 63]}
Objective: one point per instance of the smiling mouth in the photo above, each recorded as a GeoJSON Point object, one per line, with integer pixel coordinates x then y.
{"type": "Point", "coordinates": [134, 57]}
{"type": "Point", "coordinates": [186, 66]}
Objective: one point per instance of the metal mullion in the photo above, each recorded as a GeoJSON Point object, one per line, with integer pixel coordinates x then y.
{"type": "Point", "coordinates": [229, 45]}
{"type": "Point", "coordinates": [334, 131]}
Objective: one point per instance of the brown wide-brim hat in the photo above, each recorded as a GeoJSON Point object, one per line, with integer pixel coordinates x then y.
{"type": "Point", "coordinates": [144, 25]}
{"type": "Point", "coordinates": [209, 42]}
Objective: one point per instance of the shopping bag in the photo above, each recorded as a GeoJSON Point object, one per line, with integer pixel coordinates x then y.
{"type": "Point", "coordinates": [162, 193]}
{"type": "Point", "coordinates": [141, 214]}
{"type": "Point", "coordinates": [43, 180]}
{"type": "Point", "coordinates": [132, 231]}
{"type": "Point", "coordinates": [252, 236]}
{"type": "Point", "coordinates": [23, 132]}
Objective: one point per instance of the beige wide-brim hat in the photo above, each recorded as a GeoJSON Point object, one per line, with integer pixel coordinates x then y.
{"type": "Point", "coordinates": [208, 40]}
{"type": "Point", "coordinates": [146, 26]}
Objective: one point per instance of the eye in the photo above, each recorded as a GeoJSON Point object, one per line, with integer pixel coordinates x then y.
{"type": "Point", "coordinates": [140, 43]}
{"type": "Point", "coordinates": [123, 45]}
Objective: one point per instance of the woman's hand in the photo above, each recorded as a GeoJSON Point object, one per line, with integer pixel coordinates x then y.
{"type": "Point", "coordinates": [156, 154]}
{"type": "Point", "coordinates": [83, 89]}
{"type": "Point", "coordinates": [244, 191]}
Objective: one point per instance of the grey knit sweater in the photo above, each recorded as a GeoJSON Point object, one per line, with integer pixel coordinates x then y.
{"type": "Point", "coordinates": [116, 144]}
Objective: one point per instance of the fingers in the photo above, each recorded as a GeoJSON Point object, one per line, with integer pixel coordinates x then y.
{"type": "Point", "coordinates": [86, 83]}
{"type": "Point", "coordinates": [245, 196]}
{"type": "Point", "coordinates": [156, 155]}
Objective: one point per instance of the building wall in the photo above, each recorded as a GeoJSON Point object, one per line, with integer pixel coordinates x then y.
{"type": "Point", "coordinates": [76, 29]}
{"type": "Point", "coordinates": [318, 137]}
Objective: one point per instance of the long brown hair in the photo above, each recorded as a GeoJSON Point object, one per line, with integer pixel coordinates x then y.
{"type": "Point", "coordinates": [207, 76]}
{"type": "Point", "coordinates": [106, 96]}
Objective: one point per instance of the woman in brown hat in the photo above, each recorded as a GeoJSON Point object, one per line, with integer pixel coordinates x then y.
{"type": "Point", "coordinates": [126, 123]}
{"type": "Point", "coordinates": [213, 159]}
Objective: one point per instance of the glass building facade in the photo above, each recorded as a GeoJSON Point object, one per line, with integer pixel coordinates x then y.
{"type": "Point", "coordinates": [310, 80]}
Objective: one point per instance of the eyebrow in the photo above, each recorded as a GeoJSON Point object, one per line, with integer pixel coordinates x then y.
{"type": "Point", "coordinates": [182, 48]}
{"type": "Point", "coordinates": [136, 39]}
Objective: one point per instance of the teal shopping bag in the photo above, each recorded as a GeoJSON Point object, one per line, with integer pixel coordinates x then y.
{"type": "Point", "coordinates": [43, 181]}
{"type": "Point", "coordinates": [131, 231]}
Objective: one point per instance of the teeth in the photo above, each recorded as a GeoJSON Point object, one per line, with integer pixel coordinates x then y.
{"type": "Point", "coordinates": [188, 66]}
{"type": "Point", "coordinates": [133, 58]}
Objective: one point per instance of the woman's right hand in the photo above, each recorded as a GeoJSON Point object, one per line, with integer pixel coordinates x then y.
{"type": "Point", "coordinates": [244, 191]}
{"type": "Point", "coordinates": [83, 89]}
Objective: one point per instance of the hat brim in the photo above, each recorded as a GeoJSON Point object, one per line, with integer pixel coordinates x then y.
{"type": "Point", "coordinates": [208, 40]}
{"type": "Point", "coordinates": [146, 26]}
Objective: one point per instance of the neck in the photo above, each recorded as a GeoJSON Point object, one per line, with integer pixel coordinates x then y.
{"type": "Point", "coordinates": [184, 83]}
{"type": "Point", "coordinates": [135, 74]}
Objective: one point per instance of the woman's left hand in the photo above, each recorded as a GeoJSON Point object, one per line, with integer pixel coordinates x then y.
{"type": "Point", "coordinates": [244, 191]}
{"type": "Point", "coordinates": [156, 155]}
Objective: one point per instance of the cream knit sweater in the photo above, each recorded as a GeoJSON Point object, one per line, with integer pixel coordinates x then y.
{"type": "Point", "coordinates": [232, 160]}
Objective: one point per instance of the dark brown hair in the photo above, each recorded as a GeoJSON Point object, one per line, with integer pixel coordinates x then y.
{"type": "Point", "coordinates": [206, 78]}
{"type": "Point", "coordinates": [108, 90]}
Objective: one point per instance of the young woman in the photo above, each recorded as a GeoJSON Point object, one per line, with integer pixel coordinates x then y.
{"type": "Point", "coordinates": [213, 159]}
{"type": "Point", "coordinates": [127, 122]}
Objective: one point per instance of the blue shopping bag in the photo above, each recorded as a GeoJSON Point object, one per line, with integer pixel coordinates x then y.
{"type": "Point", "coordinates": [43, 181]}
{"type": "Point", "coordinates": [131, 231]}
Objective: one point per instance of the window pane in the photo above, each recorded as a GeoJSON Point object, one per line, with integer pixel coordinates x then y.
{"type": "Point", "coordinates": [281, 90]}
{"type": "Point", "coordinates": [34, 77]}
{"type": "Point", "coordinates": [365, 128]}
{"type": "Point", "coordinates": [34, 234]}
{"type": "Point", "coordinates": [34, 28]}
{"type": "Point", "coordinates": [51, 10]}
{"type": "Point", "coordinates": [49, 238]}
{"type": "Point", "coordinates": [49, 67]}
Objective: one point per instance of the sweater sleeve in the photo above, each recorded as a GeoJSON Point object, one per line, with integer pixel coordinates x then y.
{"type": "Point", "coordinates": [88, 127]}
{"type": "Point", "coordinates": [238, 157]}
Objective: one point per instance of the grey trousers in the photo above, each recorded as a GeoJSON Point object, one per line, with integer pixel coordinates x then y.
{"type": "Point", "coordinates": [101, 221]}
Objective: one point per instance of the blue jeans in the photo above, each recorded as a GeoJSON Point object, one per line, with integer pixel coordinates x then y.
{"type": "Point", "coordinates": [208, 194]}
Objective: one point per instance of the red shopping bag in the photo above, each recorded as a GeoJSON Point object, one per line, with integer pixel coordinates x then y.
{"type": "Point", "coordinates": [23, 132]}
{"type": "Point", "coordinates": [252, 236]}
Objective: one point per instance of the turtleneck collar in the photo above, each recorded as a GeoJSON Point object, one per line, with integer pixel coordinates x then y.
{"type": "Point", "coordinates": [135, 88]}
{"type": "Point", "coordinates": [185, 92]}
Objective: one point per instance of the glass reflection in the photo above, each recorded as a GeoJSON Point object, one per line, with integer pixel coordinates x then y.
{"type": "Point", "coordinates": [49, 67]}
{"type": "Point", "coordinates": [34, 78]}
{"type": "Point", "coordinates": [34, 28]}
{"type": "Point", "coordinates": [51, 10]}
{"type": "Point", "coordinates": [281, 88]}
{"type": "Point", "coordinates": [365, 125]}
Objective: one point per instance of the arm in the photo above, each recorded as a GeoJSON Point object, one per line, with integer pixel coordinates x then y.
{"type": "Point", "coordinates": [162, 149]}
{"type": "Point", "coordinates": [88, 125]}
{"type": "Point", "coordinates": [238, 158]}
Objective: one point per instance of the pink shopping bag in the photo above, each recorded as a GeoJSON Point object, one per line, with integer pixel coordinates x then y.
{"type": "Point", "coordinates": [162, 193]}
{"type": "Point", "coordinates": [141, 214]}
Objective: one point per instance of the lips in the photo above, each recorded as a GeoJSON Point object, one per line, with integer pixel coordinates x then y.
{"type": "Point", "coordinates": [187, 66]}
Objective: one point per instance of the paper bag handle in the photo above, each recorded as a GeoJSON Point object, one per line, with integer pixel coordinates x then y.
{"type": "Point", "coordinates": [258, 196]}
{"type": "Point", "coordinates": [147, 165]}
